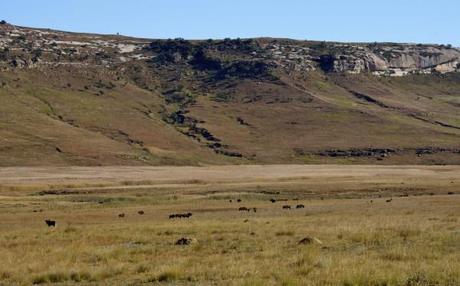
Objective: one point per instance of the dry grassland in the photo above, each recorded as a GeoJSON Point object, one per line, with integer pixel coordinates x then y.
{"type": "Point", "coordinates": [358, 237]}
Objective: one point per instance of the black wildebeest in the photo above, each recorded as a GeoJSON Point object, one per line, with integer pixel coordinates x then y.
{"type": "Point", "coordinates": [238, 200]}
{"type": "Point", "coordinates": [273, 200]}
{"type": "Point", "coordinates": [389, 200]}
{"type": "Point", "coordinates": [121, 215]}
{"type": "Point", "coordinates": [185, 241]}
{"type": "Point", "coordinates": [140, 212]}
{"type": "Point", "coordinates": [244, 209]}
{"type": "Point", "coordinates": [254, 209]}
{"type": "Point", "coordinates": [50, 223]}
{"type": "Point", "coordinates": [185, 215]}
{"type": "Point", "coordinates": [286, 207]}
{"type": "Point", "coordinates": [300, 206]}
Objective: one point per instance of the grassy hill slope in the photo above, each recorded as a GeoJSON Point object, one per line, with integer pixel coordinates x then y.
{"type": "Point", "coordinates": [213, 102]}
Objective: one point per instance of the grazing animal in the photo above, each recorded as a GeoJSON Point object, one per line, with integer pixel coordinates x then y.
{"type": "Point", "coordinates": [140, 212]}
{"type": "Point", "coordinates": [185, 215]}
{"type": "Point", "coordinates": [238, 200]}
{"type": "Point", "coordinates": [254, 209]}
{"type": "Point", "coordinates": [244, 209]}
{"type": "Point", "coordinates": [371, 201]}
{"type": "Point", "coordinates": [50, 223]}
{"type": "Point", "coordinates": [300, 206]}
{"type": "Point", "coordinates": [389, 200]}
{"type": "Point", "coordinates": [185, 241]}
{"type": "Point", "coordinates": [231, 201]}
{"type": "Point", "coordinates": [121, 215]}
{"type": "Point", "coordinates": [286, 207]}
{"type": "Point", "coordinates": [273, 200]}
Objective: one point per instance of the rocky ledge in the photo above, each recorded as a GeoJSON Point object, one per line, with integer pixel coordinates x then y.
{"type": "Point", "coordinates": [22, 47]}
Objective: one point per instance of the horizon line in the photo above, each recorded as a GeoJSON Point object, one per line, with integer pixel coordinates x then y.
{"type": "Point", "coordinates": [232, 38]}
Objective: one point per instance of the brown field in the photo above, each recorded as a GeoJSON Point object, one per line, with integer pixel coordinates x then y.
{"type": "Point", "coordinates": [414, 239]}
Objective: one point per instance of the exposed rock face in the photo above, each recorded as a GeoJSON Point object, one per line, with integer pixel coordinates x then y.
{"type": "Point", "coordinates": [343, 63]}
{"type": "Point", "coordinates": [380, 59]}
{"type": "Point", "coordinates": [31, 48]}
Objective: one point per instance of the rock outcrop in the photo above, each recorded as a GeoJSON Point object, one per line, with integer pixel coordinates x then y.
{"type": "Point", "coordinates": [251, 58]}
{"type": "Point", "coordinates": [377, 58]}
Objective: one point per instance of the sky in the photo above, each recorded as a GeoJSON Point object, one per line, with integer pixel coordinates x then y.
{"type": "Point", "coordinates": [414, 21]}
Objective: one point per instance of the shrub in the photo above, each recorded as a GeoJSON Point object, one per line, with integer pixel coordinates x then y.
{"type": "Point", "coordinates": [80, 276]}
{"type": "Point", "coordinates": [222, 97]}
{"type": "Point", "coordinates": [55, 277]}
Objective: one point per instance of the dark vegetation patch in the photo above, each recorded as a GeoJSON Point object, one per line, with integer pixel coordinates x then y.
{"type": "Point", "coordinates": [102, 200]}
{"type": "Point", "coordinates": [435, 122]}
{"type": "Point", "coordinates": [228, 153]}
{"type": "Point", "coordinates": [188, 125]}
{"type": "Point", "coordinates": [179, 96]}
{"type": "Point", "coordinates": [369, 99]}
{"type": "Point", "coordinates": [242, 121]}
{"type": "Point", "coordinates": [220, 60]}
{"type": "Point", "coordinates": [377, 152]}
{"type": "Point", "coordinates": [223, 96]}
{"type": "Point", "coordinates": [245, 70]}
{"type": "Point", "coordinates": [370, 152]}
{"type": "Point", "coordinates": [60, 192]}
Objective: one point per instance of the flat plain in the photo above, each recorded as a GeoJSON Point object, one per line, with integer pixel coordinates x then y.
{"type": "Point", "coordinates": [359, 225]}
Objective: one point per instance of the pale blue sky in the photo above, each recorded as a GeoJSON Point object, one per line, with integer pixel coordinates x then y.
{"type": "Point", "coordinates": [421, 21]}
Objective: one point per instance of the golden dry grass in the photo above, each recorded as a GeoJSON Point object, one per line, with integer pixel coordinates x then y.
{"type": "Point", "coordinates": [412, 240]}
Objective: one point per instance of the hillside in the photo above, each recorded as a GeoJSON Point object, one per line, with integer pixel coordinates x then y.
{"type": "Point", "coordinates": [84, 99]}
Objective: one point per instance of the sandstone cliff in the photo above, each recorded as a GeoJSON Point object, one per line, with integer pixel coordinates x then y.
{"type": "Point", "coordinates": [26, 47]}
